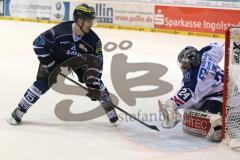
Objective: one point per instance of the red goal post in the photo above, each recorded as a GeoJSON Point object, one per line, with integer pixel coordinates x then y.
{"type": "Point", "coordinates": [231, 94]}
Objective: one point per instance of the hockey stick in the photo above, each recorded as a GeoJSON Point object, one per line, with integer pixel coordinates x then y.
{"type": "Point", "coordinates": [120, 109]}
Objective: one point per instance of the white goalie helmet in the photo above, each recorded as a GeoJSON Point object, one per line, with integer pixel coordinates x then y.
{"type": "Point", "coordinates": [188, 58]}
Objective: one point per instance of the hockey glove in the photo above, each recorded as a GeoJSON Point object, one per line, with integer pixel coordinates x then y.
{"type": "Point", "coordinates": [106, 102]}
{"type": "Point", "coordinates": [170, 114]}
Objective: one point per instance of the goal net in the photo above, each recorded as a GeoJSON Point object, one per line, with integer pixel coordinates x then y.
{"type": "Point", "coordinates": [231, 96]}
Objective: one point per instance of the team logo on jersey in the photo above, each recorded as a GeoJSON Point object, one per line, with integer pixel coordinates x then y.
{"type": "Point", "coordinates": [186, 77]}
{"type": "Point", "coordinates": [40, 41]}
{"type": "Point", "coordinates": [98, 47]}
{"type": "Point", "coordinates": [82, 47]}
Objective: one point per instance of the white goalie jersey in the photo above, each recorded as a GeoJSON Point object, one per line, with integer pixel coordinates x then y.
{"type": "Point", "coordinates": [203, 82]}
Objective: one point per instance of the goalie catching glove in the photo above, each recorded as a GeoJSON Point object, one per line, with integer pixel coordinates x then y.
{"type": "Point", "coordinates": [170, 114]}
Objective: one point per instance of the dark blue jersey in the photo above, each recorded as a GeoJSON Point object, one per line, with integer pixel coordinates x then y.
{"type": "Point", "coordinates": [60, 43]}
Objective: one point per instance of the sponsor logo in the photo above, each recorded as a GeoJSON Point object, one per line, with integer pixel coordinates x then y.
{"type": "Point", "coordinates": [32, 6]}
{"type": "Point", "coordinates": [72, 51]}
{"type": "Point", "coordinates": [65, 42]}
{"type": "Point", "coordinates": [104, 13]}
{"type": "Point", "coordinates": [198, 114]}
{"type": "Point", "coordinates": [58, 5]}
{"type": "Point", "coordinates": [236, 52]}
{"type": "Point", "coordinates": [159, 17]}
{"type": "Point", "coordinates": [57, 11]}
{"type": "Point", "coordinates": [196, 19]}
{"type": "Point", "coordinates": [196, 123]}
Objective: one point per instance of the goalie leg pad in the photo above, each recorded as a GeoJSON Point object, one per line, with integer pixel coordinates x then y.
{"type": "Point", "coordinates": [202, 124]}
{"type": "Point", "coordinates": [214, 133]}
{"type": "Point", "coordinates": [196, 122]}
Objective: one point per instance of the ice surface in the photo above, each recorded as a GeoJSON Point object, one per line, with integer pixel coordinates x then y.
{"type": "Point", "coordinates": [44, 136]}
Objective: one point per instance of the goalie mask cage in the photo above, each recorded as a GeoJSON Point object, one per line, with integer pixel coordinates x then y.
{"type": "Point", "coordinates": [231, 94]}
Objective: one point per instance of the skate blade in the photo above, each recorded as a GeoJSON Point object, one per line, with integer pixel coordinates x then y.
{"type": "Point", "coordinates": [12, 121]}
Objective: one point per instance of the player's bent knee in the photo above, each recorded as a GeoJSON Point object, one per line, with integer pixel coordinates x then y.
{"type": "Point", "coordinates": [41, 85]}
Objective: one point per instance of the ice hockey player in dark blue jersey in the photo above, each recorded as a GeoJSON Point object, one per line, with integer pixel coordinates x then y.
{"type": "Point", "coordinates": [58, 44]}
{"type": "Point", "coordinates": [201, 93]}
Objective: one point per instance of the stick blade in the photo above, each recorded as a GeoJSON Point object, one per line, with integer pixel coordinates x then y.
{"type": "Point", "coordinates": [154, 128]}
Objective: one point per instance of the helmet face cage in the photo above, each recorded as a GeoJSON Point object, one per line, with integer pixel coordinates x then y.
{"type": "Point", "coordinates": [84, 12]}
{"type": "Point", "coordinates": [188, 57]}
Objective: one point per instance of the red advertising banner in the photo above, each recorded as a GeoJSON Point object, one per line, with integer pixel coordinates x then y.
{"type": "Point", "coordinates": [208, 20]}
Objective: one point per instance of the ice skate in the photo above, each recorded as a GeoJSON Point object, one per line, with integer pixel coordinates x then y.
{"type": "Point", "coordinates": [112, 116]}
{"type": "Point", "coordinates": [16, 117]}
{"type": "Point", "coordinates": [110, 111]}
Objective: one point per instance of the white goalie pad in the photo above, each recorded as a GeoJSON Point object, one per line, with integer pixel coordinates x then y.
{"type": "Point", "coordinates": [202, 124]}
{"type": "Point", "coordinates": [196, 122]}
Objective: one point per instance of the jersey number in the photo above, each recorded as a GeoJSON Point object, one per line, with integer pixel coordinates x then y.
{"type": "Point", "coordinates": [219, 78]}
{"type": "Point", "coordinates": [184, 94]}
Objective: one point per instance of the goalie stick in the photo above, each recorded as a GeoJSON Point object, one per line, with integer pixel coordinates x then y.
{"type": "Point", "coordinates": [120, 109]}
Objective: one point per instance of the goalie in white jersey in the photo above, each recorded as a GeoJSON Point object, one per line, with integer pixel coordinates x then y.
{"type": "Point", "coordinates": [201, 93]}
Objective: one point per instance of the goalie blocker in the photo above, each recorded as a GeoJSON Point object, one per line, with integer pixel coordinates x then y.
{"type": "Point", "coordinates": [202, 124]}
